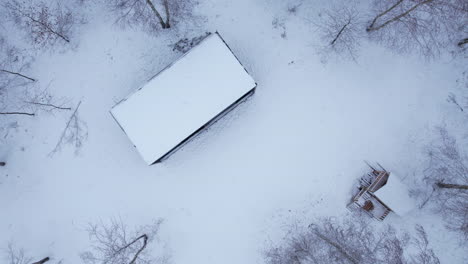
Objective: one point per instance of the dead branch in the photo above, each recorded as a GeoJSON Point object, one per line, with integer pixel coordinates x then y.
{"type": "Point", "coordinates": [42, 261]}
{"type": "Point", "coordinates": [18, 74]}
{"type": "Point", "coordinates": [462, 42]}
{"type": "Point", "coordinates": [16, 113]}
{"type": "Point", "coordinates": [452, 186]}
{"type": "Point", "coordinates": [50, 105]}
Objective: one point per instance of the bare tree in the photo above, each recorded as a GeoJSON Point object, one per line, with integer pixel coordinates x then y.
{"type": "Point", "coordinates": [150, 14]}
{"type": "Point", "coordinates": [424, 255]}
{"type": "Point", "coordinates": [447, 173]}
{"type": "Point", "coordinates": [345, 241]}
{"type": "Point", "coordinates": [428, 26]}
{"type": "Point", "coordinates": [18, 256]}
{"type": "Point", "coordinates": [340, 31]}
{"type": "Point", "coordinates": [113, 244]}
{"type": "Point", "coordinates": [44, 23]}
{"type": "Point", "coordinates": [74, 133]}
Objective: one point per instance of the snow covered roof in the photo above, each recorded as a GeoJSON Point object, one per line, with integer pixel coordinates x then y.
{"type": "Point", "coordinates": [182, 98]}
{"type": "Point", "coordinates": [395, 195]}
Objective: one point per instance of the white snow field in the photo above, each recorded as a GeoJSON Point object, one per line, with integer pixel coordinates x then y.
{"type": "Point", "coordinates": [292, 151]}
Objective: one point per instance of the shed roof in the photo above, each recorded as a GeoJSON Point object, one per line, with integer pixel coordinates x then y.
{"type": "Point", "coordinates": [182, 98]}
{"type": "Point", "coordinates": [395, 195]}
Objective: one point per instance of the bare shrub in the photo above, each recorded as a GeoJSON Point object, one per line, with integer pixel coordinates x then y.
{"type": "Point", "coordinates": [113, 243]}
{"type": "Point", "coordinates": [44, 23]}
{"type": "Point", "coordinates": [447, 173]}
{"type": "Point", "coordinates": [340, 31]}
{"type": "Point", "coordinates": [151, 15]}
{"type": "Point", "coordinates": [346, 241]}
{"type": "Point", "coordinates": [426, 26]}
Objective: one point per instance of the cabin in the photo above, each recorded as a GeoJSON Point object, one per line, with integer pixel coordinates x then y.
{"type": "Point", "coordinates": [184, 99]}
{"type": "Point", "coordinates": [380, 193]}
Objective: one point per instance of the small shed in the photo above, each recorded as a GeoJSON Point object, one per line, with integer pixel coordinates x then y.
{"type": "Point", "coordinates": [183, 99]}
{"type": "Point", "coordinates": [381, 192]}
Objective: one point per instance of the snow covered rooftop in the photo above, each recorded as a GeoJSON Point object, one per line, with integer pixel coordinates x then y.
{"type": "Point", "coordinates": [395, 195]}
{"type": "Point", "coordinates": [183, 98]}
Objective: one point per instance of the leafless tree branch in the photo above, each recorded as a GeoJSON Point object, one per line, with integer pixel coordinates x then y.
{"type": "Point", "coordinates": [42, 261]}
{"type": "Point", "coordinates": [50, 105]}
{"type": "Point", "coordinates": [18, 74]}
{"type": "Point", "coordinates": [74, 132]}
{"type": "Point", "coordinates": [17, 113]}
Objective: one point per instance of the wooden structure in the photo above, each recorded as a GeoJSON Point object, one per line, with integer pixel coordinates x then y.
{"type": "Point", "coordinates": [380, 193]}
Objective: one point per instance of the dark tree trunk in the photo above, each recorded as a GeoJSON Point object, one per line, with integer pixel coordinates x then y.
{"type": "Point", "coordinates": [18, 74]}
{"type": "Point", "coordinates": [373, 27]}
{"type": "Point", "coordinates": [339, 33]}
{"type": "Point", "coordinates": [452, 186]}
{"type": "Point", "coordinates": [16, 113]}
{"type": "Point", "coordinates": [164, 24]}
{"type": "Point", "coordinates": [2, 163]}
{"type": "Point", "coordinates": [42, 261]}
{"type": "Point", "coordinates": [463, 42]}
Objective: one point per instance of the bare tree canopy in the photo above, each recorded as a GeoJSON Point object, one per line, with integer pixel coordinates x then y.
{"type": "Point", "coordinates": [340, 30]}
{"type": "Point", "coordinates": [114, 243]}
{"type": "Point", "coordinates": [447, 172]}
{"type": "Point", "coordinates": [350, 242]}
{"type": "Point", "coordinates": [428, 26]}
{"type": "Point", "coordinates": [44, 23]}
{"type": "Point", "coordinates": [18, 256]}
{"type": "Point", "coordinates": [150, 14]}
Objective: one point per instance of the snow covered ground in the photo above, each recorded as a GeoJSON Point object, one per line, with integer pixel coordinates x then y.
{"type": "Point", "coordinates": [293, 150]}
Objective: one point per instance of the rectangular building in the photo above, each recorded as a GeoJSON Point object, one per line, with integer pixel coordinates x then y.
{"type": "Point", "coordinates": [180, 101]}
